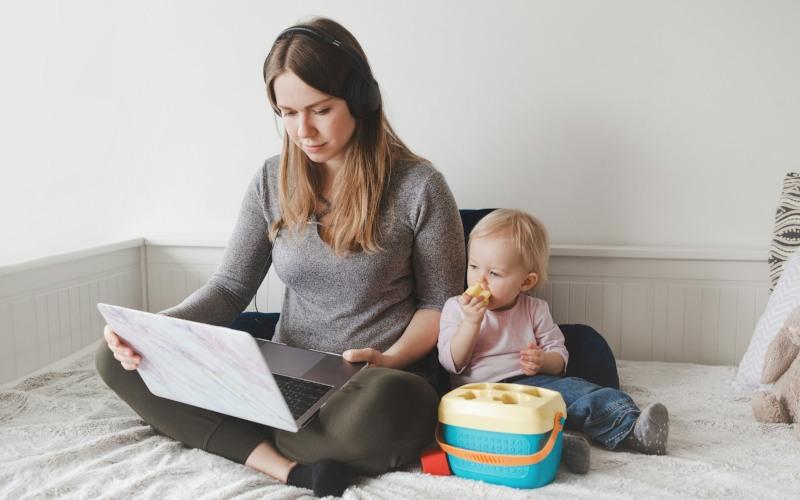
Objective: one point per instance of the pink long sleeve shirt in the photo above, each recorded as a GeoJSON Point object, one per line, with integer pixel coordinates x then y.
{"type": "Point", "coordinates": [502, 336]}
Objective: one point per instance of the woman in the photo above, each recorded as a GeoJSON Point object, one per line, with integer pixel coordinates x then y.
{"type": "Point", "coordinates": [366, 237]}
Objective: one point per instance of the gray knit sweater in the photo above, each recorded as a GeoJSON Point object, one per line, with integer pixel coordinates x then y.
{"type": "Point", "coordinates": [337, 303]}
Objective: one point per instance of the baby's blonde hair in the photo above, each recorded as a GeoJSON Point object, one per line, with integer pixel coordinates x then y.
{"type": "Point", "coordinates": [527, 234]}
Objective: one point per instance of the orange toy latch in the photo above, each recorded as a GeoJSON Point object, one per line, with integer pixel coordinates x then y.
{"type": "Point", "coordinates": [434, 461]}
{"type": "Point", "coordinates": [501, 459]}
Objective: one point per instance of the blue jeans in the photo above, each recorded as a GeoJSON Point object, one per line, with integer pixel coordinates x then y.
{"type": "Point", "coordinates": [605, 415]}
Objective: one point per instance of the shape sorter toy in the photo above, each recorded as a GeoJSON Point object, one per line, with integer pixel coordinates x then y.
{"type": "Point", "coordinates": [507, 434]}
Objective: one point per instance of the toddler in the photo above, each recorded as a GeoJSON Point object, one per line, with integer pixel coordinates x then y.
{"type": "Point", "coordinates": [511, 337]}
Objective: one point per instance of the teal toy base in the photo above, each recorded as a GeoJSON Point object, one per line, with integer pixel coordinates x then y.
{"type": "Point", "coordinates": [524, 476]}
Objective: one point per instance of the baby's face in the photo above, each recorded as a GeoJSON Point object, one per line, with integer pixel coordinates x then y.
{"type": "Point", "coordinates": [496, 265]}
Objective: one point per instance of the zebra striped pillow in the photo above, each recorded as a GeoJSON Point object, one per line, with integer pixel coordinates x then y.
{"type": "Point", "coordinates": [787, 227]}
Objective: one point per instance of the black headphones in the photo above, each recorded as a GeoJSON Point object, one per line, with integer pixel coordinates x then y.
{"type": "Point", "coordinates": [360, 90]}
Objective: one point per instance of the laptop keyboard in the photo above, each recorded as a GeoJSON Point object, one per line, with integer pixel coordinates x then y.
{"type": "Point", "coordinates": [300, 395]}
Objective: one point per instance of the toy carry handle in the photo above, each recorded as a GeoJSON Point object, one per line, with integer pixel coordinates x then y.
{"type": "Point", "coordinates": [501, 459]}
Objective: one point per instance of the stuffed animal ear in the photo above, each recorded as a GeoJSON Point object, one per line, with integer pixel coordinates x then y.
{"type": "Point", "coordinates": [779, 356]}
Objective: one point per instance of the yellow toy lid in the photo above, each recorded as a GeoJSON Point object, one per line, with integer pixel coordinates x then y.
{"type": "Point", "coordinates": [499, 407]}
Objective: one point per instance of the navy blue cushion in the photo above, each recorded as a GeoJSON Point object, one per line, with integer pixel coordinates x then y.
{"type": "Point", "coordinates": [259, 325]}
{"type": "Point", "coordinates": [470, 217]}
{"type": "Point", "coordinates": [590, 356]}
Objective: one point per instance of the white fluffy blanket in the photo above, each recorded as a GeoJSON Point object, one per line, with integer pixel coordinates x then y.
{"type": "Point", "coordinates": [64, 434]}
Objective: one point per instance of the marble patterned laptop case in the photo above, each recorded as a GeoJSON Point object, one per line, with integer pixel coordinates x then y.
{"type": "Point", "coordinates": [202, 365]}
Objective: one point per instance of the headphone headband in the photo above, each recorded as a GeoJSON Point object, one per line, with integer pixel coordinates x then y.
{"type": "Point", "coordinates": [361, 90]}
{"type": "Point", "coordinates": [325, 38]}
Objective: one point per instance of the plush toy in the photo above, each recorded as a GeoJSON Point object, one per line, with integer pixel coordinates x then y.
{"type": "Point", "coordinates": [781, 404]}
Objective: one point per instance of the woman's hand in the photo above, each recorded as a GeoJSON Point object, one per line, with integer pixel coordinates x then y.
{"type": "Point", "coordinates": [531, 359]}
{"type": "Point", "coordinates": [372, 357]}
{"type": "Point", "coordinates": [122, 351]}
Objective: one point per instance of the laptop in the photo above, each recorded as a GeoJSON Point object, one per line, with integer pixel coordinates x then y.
{"type": "Point", "coordinates": [229, 371]}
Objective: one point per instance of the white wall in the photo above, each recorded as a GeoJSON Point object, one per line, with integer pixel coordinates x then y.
{"type": "Point", "coordinates": [618, 122]}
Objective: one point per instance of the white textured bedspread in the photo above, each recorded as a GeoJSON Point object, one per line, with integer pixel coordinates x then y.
{"type": "Point", "coordinates": [64, 434]}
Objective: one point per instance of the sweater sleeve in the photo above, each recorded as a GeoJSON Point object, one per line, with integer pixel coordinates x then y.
{"type": "Point", "coordinates": [448, 326]}
{"type": "Point", "coordinates": [548, 335]}
{"type": "Point", "coordinates": [244, 265]}
{"type": "Point", "coordinates": [438, 254]}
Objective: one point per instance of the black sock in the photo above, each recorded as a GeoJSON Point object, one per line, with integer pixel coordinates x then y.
{"type": "Point", "coordinates": [326, 477]}
{"type": "Point", "coordinates": [650, 432]}
{"type": "Point", "coordinates": [576, 453]}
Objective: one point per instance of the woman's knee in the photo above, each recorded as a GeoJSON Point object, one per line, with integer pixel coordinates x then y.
{"type": "Point", "coordinates": [394, 409]}
{"type": "Point", "coordinates": [126, 384]}
{"type": "Point", "coordinates": [195, 427]}
{"type": "Point", "coordinates": [379, 420]}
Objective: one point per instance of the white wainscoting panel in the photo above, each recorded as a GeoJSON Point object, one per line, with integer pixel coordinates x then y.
{"type": "Point", "coordinates": [683, 306]}
{"type": "Point", "coordinates": [661, 305]}
{"type": "Point", "coordinates": [48, 308]}
{"type": "Point", "coordinates": [176, 270]}
{"type": "Point", "coordinates": [660, 309]}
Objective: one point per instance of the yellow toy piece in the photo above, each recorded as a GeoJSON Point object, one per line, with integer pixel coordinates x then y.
{"type": "Point", "coordinates": [478, 291]}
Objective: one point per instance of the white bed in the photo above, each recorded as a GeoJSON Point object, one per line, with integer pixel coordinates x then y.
{"type": "Point", "coordinates": [64, 434]}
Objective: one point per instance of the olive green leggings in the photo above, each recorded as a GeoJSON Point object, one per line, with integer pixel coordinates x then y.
{"type": "Point", "coordinates": [380, 420]}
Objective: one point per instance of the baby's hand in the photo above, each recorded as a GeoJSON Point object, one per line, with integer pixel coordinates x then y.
{"type": "Point", "coordinates": [474, 308]}
{"type": "Point", "coordinates": [531, 359]}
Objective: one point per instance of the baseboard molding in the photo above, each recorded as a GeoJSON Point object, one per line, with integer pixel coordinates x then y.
{"type": "Point", "coordinates": [680, 305]}
{"type": "Point", "coordinates": [54, 366]}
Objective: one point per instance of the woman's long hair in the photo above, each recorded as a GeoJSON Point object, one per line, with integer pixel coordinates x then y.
{"type": "Point", "coordinates": [373, 148]}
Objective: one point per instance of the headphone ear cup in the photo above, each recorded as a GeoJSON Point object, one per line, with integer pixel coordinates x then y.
{"type": "Point", "coordinates": [373, 95]}
{"type": "Point", "coordinates": [362, 95]}
{"type": "Point", "coordinates": [352, 94]}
